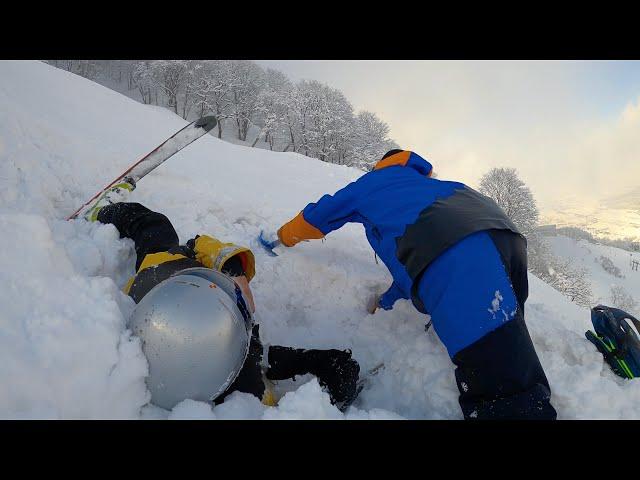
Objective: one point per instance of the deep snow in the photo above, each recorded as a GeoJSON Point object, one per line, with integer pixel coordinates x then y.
{"type": "Point", "coordinates": [64, 348]}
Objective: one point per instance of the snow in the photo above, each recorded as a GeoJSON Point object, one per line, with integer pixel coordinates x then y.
{"type": "Point", "coordinates": [586, 255]}
{"type": "Point", "coordinates": [65, 351]}
{"type": "Point", "coordinates": [309, 402]}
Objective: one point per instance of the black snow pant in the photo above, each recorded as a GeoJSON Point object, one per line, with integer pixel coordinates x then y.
{"type": "Point", "coordinates": [500, 375]}
{"type": "Point", "coordinates": [152, 232]}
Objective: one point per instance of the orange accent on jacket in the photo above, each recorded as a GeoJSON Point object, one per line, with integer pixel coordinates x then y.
{"type": "Point", "coordinates": [297, 230]}
{"type": "Point", "coordinates": [400, 158]}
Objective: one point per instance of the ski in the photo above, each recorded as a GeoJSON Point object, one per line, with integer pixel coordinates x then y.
{"type": "Point", "coordinates": [182, 138]}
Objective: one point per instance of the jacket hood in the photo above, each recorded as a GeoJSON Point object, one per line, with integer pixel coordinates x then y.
{"type": "Point", "coordinates": [406, 158]}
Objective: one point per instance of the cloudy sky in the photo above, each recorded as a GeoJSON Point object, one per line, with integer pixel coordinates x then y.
{"type": "Point", "coordinates": [571, 128]}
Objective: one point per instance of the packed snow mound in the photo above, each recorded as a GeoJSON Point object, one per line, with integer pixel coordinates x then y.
{"type": "Point", "coordinates": [64, 346]}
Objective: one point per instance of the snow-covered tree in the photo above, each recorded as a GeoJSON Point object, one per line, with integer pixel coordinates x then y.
{"type": "Point", "coordinates": [272, 107]}
{"type": "Point", "coordinates": [303, 103]}
{"type": "Point", "coordinates": [608, 266]}
{"type": "Point", "coordinates": [297, 119]}
{"type": "Point", "coordinates": [332, 118]}
{"type": "Point", "coordinates": [191, 83]}
{"type": "Point", "coordinates": [513, 196]}
{"type": "Point", "coordinates": [119, 71]}
{"type": "Point", "coordinates": [309, 117]}
{"type": "Point", "coordinates": [621, 299]}
{"type": "Point", "coordinates": [170, 78]}
{"type": "Point", "coordinates": [571, 281]}
{"type": "Point", "coordinates": [320, 121]}
{"type": "Point", "coordinates": [247, 79]}
{"type": "Point", "coordinates": [85, 68]}
{"type": "Point", "coordinates": [143, 79]}
{"type": "Point", "coordinates": [370, 141]}
{"type": "Point", "coordinates": [214, 90]}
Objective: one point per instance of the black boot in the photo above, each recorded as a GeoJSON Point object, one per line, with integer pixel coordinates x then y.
{"type": "Point", "coordinates": [335, 369]}
{"type": "Point", "coordinates": [338, 373]}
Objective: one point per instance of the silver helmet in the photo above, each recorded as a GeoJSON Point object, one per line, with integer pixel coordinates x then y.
{"type": "Point", "coordinates": [195, 331]}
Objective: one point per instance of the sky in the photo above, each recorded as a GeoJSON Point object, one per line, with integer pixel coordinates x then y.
{"type": "Point", "coordinates": [570, 128]}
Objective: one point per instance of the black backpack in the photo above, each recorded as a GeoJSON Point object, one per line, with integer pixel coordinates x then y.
{"type": "Point", "coordinates": [616, 339]}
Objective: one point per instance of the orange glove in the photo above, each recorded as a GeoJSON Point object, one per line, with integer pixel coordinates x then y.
{"type": "Point", "coordinates": [297, 230]}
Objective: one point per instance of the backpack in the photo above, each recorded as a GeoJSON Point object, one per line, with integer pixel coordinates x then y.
{"type": "Point", "coordinates": [616, 339]}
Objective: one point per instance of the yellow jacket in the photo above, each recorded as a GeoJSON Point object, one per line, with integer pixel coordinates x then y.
{"type": "Point", "coordinates": [209, 252]}
{"type": "Point", "coordinates": [212, 253]}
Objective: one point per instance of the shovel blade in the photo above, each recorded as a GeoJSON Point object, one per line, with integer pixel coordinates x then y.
{"type": "Point", "coordinates": [268, 246]}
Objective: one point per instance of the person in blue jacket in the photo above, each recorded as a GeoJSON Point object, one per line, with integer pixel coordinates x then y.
{"type": "Point", "coordinates": [456, 255]}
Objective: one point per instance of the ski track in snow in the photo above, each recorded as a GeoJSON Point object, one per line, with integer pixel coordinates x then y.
{"type": "Point", "coordinates": [66, 352]}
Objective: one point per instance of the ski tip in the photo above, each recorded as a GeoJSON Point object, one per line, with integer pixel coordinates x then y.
{"type": "Point", "coordinates": [207, 123]}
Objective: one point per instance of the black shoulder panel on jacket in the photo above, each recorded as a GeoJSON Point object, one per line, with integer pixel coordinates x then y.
{"type": "Point", "coordinates": [444, 223]}
{"type": "Point", "coordinates": [150, 277]}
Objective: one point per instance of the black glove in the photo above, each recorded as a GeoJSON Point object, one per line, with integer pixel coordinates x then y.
{"type": "Point", "coordinates": [337, 372]}
{"type": "Point", "coordinates": [192, 243]}
{"type": "Point", "coordinates": [335, 369]}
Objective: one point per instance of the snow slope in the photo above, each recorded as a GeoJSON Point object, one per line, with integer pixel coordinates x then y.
{"type": "Point", "coordinates": [586, 254]}
{"type": "Point", "coordinates": [65, 351]}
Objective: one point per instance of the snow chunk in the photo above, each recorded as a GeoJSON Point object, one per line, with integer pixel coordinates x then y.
{"type": "Point", "coordinates": [240, 406]}
{"type": "Point", "coordinates": [495, 303]}
{"type": "Point", "coordinates": [308, 402]}
{"type": "Point", "coordinates": [192, 410]}
{"type": "Point", "coordinates": [373, 414]}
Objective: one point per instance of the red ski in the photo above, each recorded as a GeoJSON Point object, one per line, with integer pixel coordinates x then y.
{"type": "Point", "coordinates": [157, 156]}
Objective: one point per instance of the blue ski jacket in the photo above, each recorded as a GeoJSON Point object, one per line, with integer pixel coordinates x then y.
{"type": "Point", "coordinates": [409, 218]}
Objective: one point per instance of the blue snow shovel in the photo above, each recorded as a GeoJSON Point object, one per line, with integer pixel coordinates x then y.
{"type": "Point", "coordinates": [268, 246]}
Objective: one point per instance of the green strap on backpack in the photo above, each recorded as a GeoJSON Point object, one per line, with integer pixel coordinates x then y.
{"type": "Point", "coordinates": [616, 339]}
